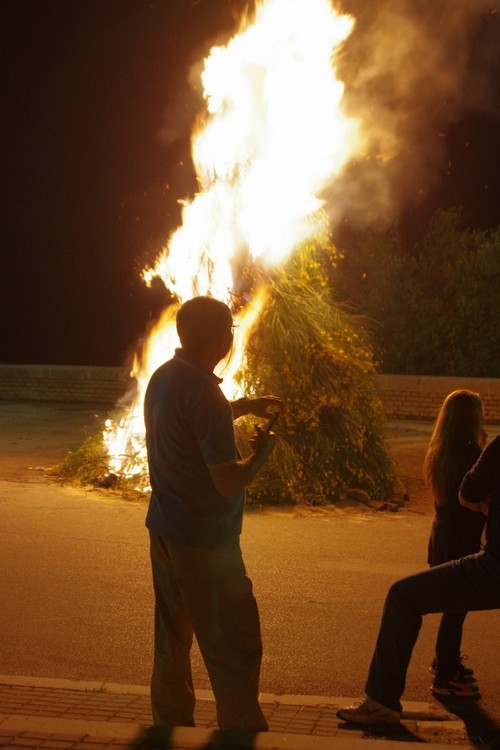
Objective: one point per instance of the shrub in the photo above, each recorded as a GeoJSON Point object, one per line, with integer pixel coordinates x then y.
{"type": "Point", "coordinates": [316, 356]}
{"type": "Point", "coordinates": [430, 305]}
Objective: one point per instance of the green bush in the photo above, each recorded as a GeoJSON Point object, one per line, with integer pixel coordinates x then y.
{"type": "Point", "coordinates": [89, 465]}
{"type": "Point", "coordinates": [315, 355]}
{"type": "Point", "coordinates": [430, 306]}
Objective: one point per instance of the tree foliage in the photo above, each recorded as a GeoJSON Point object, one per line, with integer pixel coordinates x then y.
{"type": "Point", "coordinates": [315, 355]}
{"type": "Point", "coordinates": [432, 307]}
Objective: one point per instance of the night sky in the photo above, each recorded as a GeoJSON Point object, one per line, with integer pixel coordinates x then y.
{"type": "Point", "coordinates": [90, 184]}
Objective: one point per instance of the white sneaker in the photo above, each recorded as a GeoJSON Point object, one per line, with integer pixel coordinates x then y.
{"type": "Point", "coordinates": [369, 711]}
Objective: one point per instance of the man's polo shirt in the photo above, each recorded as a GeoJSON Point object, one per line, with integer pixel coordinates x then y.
{"type": "Point", "coordinates": [189, 427]}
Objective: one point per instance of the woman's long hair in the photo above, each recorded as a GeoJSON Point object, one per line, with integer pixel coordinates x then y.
{"type": "Point", "coordinates": [456, 432]}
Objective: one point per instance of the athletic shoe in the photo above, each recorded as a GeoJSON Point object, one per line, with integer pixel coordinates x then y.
{"type": "Point", "coordinates": [369, 711]}
{"type": "Point", "coordinates": [456, 685]}
{"type": "Point", "coordinates": [465, 672]}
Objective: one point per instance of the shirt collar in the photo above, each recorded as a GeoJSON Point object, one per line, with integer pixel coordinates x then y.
{"type": "Point", "coordinates": [181, 356]}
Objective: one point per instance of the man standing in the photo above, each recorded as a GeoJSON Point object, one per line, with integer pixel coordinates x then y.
{"type": "Point", "coordinates": [194, 521]}
{"type": "Point", "coordinates": [469, 584]}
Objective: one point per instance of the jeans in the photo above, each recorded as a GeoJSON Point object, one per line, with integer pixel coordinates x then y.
{"type": "Point", "coordinates": [205, 592]}
{"type": "Point", "coordinates": [471, 583]}
{"type": "Point", "coordinates": [448, 643]}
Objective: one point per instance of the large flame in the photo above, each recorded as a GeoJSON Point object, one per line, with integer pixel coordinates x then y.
{"type": "Point", "coordinates": [273, 135]}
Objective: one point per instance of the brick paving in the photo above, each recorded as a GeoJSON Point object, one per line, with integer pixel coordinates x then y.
{"type": "Point", "coordinates": [54, 717]}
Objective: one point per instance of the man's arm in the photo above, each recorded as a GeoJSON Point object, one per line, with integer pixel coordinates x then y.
{"type": "Point", "coordinates": [260, 407]}
{"type": "Point", "coordinates": [230, 479]}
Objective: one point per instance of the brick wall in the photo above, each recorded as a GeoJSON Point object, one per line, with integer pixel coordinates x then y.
{"type": "Point", "coordinates": [63, 383]}
{"type": "Point", "coordinates": [404, 396]}
{"type": "Point", "coordinates": [420, 396]}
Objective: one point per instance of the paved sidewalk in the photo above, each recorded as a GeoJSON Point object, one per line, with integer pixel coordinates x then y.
{"type": "Point", "coordinates": [64, 715]}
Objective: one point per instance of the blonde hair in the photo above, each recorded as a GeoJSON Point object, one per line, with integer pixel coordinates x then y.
{"type": "Point", "coordinates": [450, 451]}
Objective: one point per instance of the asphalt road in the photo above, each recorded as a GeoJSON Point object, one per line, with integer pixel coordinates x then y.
{"type": "Point", "coordinates": [76, 597]}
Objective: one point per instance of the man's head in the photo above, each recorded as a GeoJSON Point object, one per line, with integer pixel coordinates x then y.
{"type": "Point", "coordinates": [204, 324]}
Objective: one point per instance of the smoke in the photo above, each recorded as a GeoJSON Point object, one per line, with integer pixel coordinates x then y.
{"type": "Point", "coordinates": [205, 24]}
{"type": "Point", "coordinates": [410, 68]}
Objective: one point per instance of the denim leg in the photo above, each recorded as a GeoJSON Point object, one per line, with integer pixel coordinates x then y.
{"type": "Point", "coordinates": [448, 642]}
{"type": "Point", "coordinates": [472, 583]}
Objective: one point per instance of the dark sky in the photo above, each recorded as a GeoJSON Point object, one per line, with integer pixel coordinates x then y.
{"type": "Point", "coordinates": [89, 190]}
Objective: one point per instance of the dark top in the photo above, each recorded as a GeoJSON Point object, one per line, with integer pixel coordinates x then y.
{"type": "Point", "coordinates": [189, 427]}
{"type": "Point", "coordinates": [456, 531]}
{"type": "Point", "coordinates": [482, 481]}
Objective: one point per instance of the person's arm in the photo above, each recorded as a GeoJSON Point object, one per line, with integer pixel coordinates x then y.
{"type": "Point", "coordinates": [483, 506]}
{"type": "Point", "coordinates": [229, 479]}
{"type": "Point", "coordinates": [260, 407]}
{"type": "Point", "coordinates": [478, 484]}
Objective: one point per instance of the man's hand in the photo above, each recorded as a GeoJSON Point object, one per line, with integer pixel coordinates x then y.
{"type": "Point", "coordinates": [263, 406]}
{"type": "Point", "coordinates": [262, 443]}
{"type": "Point", "coordinates": [230, 479]}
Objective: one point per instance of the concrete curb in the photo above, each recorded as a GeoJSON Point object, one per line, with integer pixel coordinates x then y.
{"type": "Point", "coordinates": [412, 709]}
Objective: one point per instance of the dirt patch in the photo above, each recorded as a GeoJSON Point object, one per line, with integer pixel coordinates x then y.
{"type": "Point", "coordinates": [34, 436]}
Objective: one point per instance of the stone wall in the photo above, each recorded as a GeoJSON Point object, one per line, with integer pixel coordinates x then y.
{"type": "Point", "coordinates": [404, 396]}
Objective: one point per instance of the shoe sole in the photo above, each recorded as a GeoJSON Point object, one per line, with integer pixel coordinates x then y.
{"type": "Point", "coordinates": [470, 679]}
{"type": "Point", "coordinates": [469, 675]}
{"type": "Point", "coordinates": [367, 721]}
{"type": "Point", "coordinates": [457, 693]}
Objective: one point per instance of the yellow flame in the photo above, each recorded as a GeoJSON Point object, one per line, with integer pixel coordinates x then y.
{"type": "Point", "coordinates": [272, 137]}
{"type": "Point", "coordinates": [245, 321]}
{"type": "Point", "coordinates": [125, 440]}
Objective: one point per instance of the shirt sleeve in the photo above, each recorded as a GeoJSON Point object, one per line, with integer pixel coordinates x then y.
{"type": "Point", "coordinates": [480, 481]}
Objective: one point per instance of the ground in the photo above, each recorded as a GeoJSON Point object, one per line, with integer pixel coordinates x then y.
{"type": "Point", "coordinates": [407, 441]}
{"type": "Point", "coordinates": [35, 435]}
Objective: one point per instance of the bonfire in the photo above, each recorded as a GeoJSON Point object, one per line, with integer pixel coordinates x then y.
{"type": "Point", "coordinates": [271, 138]}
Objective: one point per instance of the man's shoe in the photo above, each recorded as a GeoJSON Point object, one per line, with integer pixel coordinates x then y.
{"type": "Point", "coordinates": [369, 711]}
{"type": "Point", "coordinates": [456, 685]}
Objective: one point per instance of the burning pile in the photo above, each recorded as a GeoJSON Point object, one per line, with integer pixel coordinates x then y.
{"type": "Point", "coordinates": [272, 137]}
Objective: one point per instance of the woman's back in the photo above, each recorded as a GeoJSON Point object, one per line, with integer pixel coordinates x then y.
{"type": "Point", "coordinates": [453, 449]}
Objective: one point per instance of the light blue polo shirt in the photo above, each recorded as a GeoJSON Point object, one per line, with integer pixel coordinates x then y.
{"type": "Point", "coordinates": [189, 427]}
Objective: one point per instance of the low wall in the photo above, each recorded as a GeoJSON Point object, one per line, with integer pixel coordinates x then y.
{"type": "Point", "coordinates": [97, 385]}
{"type": "Point", "coordinates": [404, 396]}
{"type": "Point", "coordinates": [420, 396]}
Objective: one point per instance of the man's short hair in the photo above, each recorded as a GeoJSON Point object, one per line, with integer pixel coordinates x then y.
{"type": "Point", "coordinates": [202, 320]}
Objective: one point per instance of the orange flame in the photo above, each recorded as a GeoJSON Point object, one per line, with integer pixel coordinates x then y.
{"type": "Point", "coordinates": [272, 137]}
